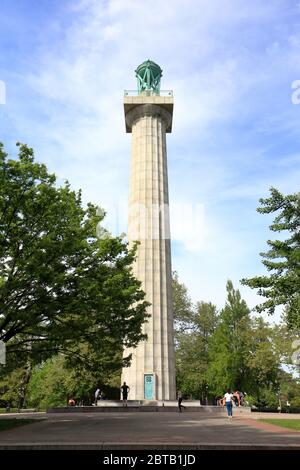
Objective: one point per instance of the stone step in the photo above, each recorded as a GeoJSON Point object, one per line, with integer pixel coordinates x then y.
{"type": "Point", "coordinates": [147, 408]}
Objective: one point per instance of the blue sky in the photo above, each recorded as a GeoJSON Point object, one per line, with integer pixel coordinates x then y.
{"type": "Point", "coordinates": [231, 65]}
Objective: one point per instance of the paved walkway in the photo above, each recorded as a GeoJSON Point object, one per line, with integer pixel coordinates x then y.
{"type": "Point", "coordinates": [145, 431]}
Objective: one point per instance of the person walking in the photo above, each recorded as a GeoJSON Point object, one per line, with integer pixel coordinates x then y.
{"type": "Point", "coordinates": [125, 390]}
{"type": "Point", "coordinates": [180, 398]}
{"type": "Point", "coordinates": [97, 395]}
{"type": "Point", "coordinates": [228, 397]}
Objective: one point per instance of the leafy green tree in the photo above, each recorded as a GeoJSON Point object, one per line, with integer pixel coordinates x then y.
{"type": "Point", "coordinates": [282, 260]}
{"type": "Point", "coordinates": [214, 352]}
{"type": "Point", "coordinates": [192, 358]}
{"type": "Point", "coordinates": [194, 324]}
{"type": "Point", "coordinates": [61, 288]}
{"type": "Point", "coordinates": [10, 387]}
{"type": "Point", "coordinates": [263, 360]}
{"type": "Point", "coordinates": [247, 353]}
{"type": "Point", "coordinates": [289, 389]}
{"type": "Point", "coordinates": [52, 383]}
{"type": "Point", "coordinates": [205, 321]}
{"type": "Point", "coordinates": [182, 305]}
{"type": "Point", "coordinates": [228, 346]}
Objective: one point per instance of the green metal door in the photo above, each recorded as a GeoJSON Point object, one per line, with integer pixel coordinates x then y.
{"type": "Point", "coordinates": [148, 386]}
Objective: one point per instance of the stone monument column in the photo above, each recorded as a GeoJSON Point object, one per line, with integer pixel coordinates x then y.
{"type": "Point", "coordinates": [148, 116]}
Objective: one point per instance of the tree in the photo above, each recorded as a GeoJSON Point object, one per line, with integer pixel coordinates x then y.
{"type": "Point", "coordinates": [263, 360]}
{"type": "Point", "coordinates": [182, 305]}
{"type": "Point", "coordinates": [282, 260]}
{"type": "Point", "coordinates": [194, 325]}
{"type": "Point", "coordinates": [53, 383]}
{"type": "Point", "coordinates": [192, 358]}
{"type": "Point", "coordinates": [228, 347]}
{"type": "Point", "coordinates": [61, 288]}
{"type": "Point", "coordinates": [231, 349]}
{"type": "Point", "coordinates": [10, 388]}
{"type": "Point", "coordinates": [289, 389]}
{"type": "Point", "coordinates": [247, 353]}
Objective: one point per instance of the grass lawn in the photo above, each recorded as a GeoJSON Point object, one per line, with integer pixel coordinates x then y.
{"type": "Point", "coordinates": [23, 410]}
{"type": "Point", "coordinates": [14, 422]}
{"type": "Point", "coordinates": [284, 423]}
{"type": "Point", "coordinates": [12, 410]}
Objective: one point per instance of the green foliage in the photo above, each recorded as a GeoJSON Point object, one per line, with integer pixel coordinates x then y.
{"type": "Point", "coordinates": [49, 385]}
{"type": "Point", "coordinates": [282, 260]}
{"type": "Point", "coordinates": [289, 389]}
{"type": "Point", "coordinates": [182, 305]}
{"type": "Point", "coordinates": [246, 353]}
{"type": "Point", "coordinates": [250, 400]}
{"type": "Point", "coordinates": [267, 398]}
{"type": "Point", "coordinates": [228, 346]}
{"type": "Point", "coordinates": [230, 350]}
{"type": "Point", "coordinates": [267, 350]}
{"type": "Point", "coordinates": [295, 401]}
{"type": "Point", "coordinates": [62, 289]}
{"type": "Point", "coordinates": [195, 325]}
{"type": "Point", "coordinates": [53, 383]}
{"type": "Point", "coordinates": [10, 387]}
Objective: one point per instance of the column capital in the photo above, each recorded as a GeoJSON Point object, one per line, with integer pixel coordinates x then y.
{"type": "Point", "coordinates": [147, 109]}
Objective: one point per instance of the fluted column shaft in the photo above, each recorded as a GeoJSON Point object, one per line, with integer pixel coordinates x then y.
{"type": "Point", "coordinates": [149, 224]}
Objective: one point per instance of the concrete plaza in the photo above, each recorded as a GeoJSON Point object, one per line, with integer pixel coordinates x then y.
{"type": "Point", "coordinates": [151, 430]}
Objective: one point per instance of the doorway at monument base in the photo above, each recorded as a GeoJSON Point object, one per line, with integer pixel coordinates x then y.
{"type": "Point", "coordinates": [149, 385]}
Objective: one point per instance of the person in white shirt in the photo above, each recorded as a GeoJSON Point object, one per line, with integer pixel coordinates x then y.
{"type": "Point", "coordinates": [228, 397]}
{"type": "Point", "coordinates": [97, 395]}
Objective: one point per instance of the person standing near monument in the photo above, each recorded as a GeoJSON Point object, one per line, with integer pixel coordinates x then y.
{"type": "Point", "coordinates": [125, 390]}
{"type": "Point", "coordinates": [180, 398]}
{"type": "Point", "coordinates": [97, 395]}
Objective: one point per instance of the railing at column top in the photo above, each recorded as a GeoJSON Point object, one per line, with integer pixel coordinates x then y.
{"type": "Point", "coordinates": [163, 93]}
